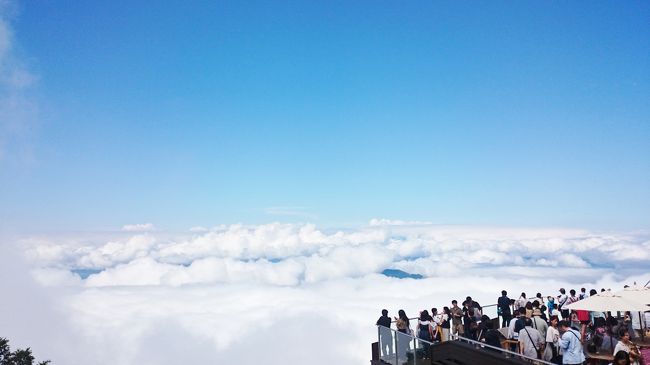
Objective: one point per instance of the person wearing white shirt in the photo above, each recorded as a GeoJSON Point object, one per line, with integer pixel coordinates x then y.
{"type": "Point", "coordinates": [552, 349]}
{"type": "Point", "coordinates": [628, 346]}
{"type": "Point", "coordinates": [561, 301]}
{"type": "Point", "coordinates": [511, 327]}
{"type": "Point", "coordinates": [530, 341]}
{"type": "Point", "coordinates": [521, 302]}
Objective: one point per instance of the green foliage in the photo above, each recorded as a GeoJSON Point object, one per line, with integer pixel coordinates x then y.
{"type": "Point", "coordinates": [18, 357]}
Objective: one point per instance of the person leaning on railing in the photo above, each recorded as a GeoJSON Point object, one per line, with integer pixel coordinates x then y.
{"type": "Point", "coordinates": [385, 334]}
{"type": "Point", "coordinates": [403, 334]}
{"type": "Point", "coordinates": [402, 322]}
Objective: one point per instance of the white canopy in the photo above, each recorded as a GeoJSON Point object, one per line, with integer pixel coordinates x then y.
{"type": "Point", "coordinates": [613, 302]}
{"type": "Point", "coordinates": [637, 294]}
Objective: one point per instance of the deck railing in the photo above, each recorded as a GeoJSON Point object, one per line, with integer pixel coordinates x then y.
{"type": "Point", "coordinates": [398, 348]}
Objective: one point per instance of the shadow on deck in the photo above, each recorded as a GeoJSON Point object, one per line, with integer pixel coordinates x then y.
{"type": "Point", "coordinates": [451, 353]}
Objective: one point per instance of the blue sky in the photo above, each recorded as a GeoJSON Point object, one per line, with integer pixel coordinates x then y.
{"type": "Point", "coordinates": [491, 113]}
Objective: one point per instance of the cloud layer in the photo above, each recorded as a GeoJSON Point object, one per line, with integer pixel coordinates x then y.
{"type": "Point", "coordinates": [217, 292]}
{"type": "Point", "coordinates": [289, 254]}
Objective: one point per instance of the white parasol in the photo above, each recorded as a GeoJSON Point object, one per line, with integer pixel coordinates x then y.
{"type": "Point", "coordinates": [611, 302]}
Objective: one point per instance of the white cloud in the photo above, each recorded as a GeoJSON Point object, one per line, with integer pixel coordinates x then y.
{"type": "Point", "coordinates": [144, 227]}
{"type": "Point", "coordinates": [274, 286]}
{"type": "Point", "coordinates": [290, 211]}
{"type": "Point", "coordinates": [395, 222]}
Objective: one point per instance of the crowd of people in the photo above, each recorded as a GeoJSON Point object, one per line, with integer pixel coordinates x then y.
{"type": "Point", "coordinates": [538, 327]}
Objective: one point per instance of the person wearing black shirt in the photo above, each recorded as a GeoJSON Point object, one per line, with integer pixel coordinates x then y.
{"type": "Point", "coordinates": [492, 337]}
{"type": "Point", "coordinates": [521, 321]}
{"type": "Point", "coordinates": [474, 304]}
{"type": "Point", "coordinates": [385, 334]}
{"type": "Point", "coordinates": [503, 306]}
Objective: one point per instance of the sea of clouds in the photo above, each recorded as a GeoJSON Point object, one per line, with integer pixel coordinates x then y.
{"type": "Point", "coordinates": [284, 293]}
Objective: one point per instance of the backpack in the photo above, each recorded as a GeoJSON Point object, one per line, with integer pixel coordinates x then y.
{"type": "Point", "coordinates": [425, 333]}
{"type": "Point", "coordinates": [519, 325]}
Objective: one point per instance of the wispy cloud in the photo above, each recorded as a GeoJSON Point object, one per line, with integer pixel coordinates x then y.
{"type": "Point", "coordinates": [18, 111]}
{"type": "Point", "coordinates": [395, 222]}
{"type": "Point", "coordinates": [143, 227]}
{"type": "Point", "coordinates": [290, 211]}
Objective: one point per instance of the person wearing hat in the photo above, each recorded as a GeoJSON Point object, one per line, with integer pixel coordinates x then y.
{"type": "Point", "coordinates": [539, 323]}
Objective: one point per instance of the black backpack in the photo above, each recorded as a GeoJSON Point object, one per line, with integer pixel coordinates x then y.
{"type": "Point", "coordinates": [519, 325]}
{"type": "Point", "coordinates": [424, 333]}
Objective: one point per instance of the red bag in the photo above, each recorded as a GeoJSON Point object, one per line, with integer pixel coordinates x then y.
{"type": "Point", "coordinates": [583, 316]}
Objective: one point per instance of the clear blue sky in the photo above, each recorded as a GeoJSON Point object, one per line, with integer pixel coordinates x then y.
{"type": "Point", "coordinates": [499, 112]}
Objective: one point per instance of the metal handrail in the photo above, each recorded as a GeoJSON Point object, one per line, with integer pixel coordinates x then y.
{"type": "Point", "coordinates": [482, 344]}
{"type": "Point", "coordinates": [467, 340]}
{"type": "Point", "coordinates": [411, 339]}
{"type": "Point", "coordinates": [483, 306]}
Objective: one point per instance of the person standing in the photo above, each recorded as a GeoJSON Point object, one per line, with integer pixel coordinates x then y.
{"type": "Point", "coordinates": [456, 319]}
{"type": "Point", "coordinates": [385, 334]}
{"type": "Point", "coordinates": [530, 341]}
{"type": "Point", "coordinates": [572, 351]}
{"type": "Point", "coordinates": [503, 309]}
{"type": "Point", "coordinates": [552, 350]}
{"type": "Point", "coordinates": [521, 302]}
{"type": "Point", "coordinates": [583, 294]}
{"type": "Point", "coordinates": [469, 320]}
{"type": "Point", "coordinates": [424, 329]}
{"type": "Point", "coordinates": [550, 304]}
{"type": "Point", "coordinates": [538, 323]}
{"type": "Point", "coordinates": [436, 323]}
{"type": "Point", "coordinates": [403, 335]}
{"type": "Point", "coordinates": [446, 318]}
{"type": "Point", "coordinates": [561, 301]}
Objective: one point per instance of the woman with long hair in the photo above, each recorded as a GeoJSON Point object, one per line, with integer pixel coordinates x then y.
{"type": "Point", "coordinates": [402, 322]}
{"type": "Point", "coordinates": [404, 333]}
{"type": "Point", "coordinates": [425, 326]}
{"type": "Point", "coordinates": [552, 349]}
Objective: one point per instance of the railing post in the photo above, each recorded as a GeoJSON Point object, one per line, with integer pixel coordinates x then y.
{"type": "Point", "coordinates": [396, 348]}
{"type": "Point", "coordinates": [381, 347]}
{"type": "Point", "coordinates": [415, 350]}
